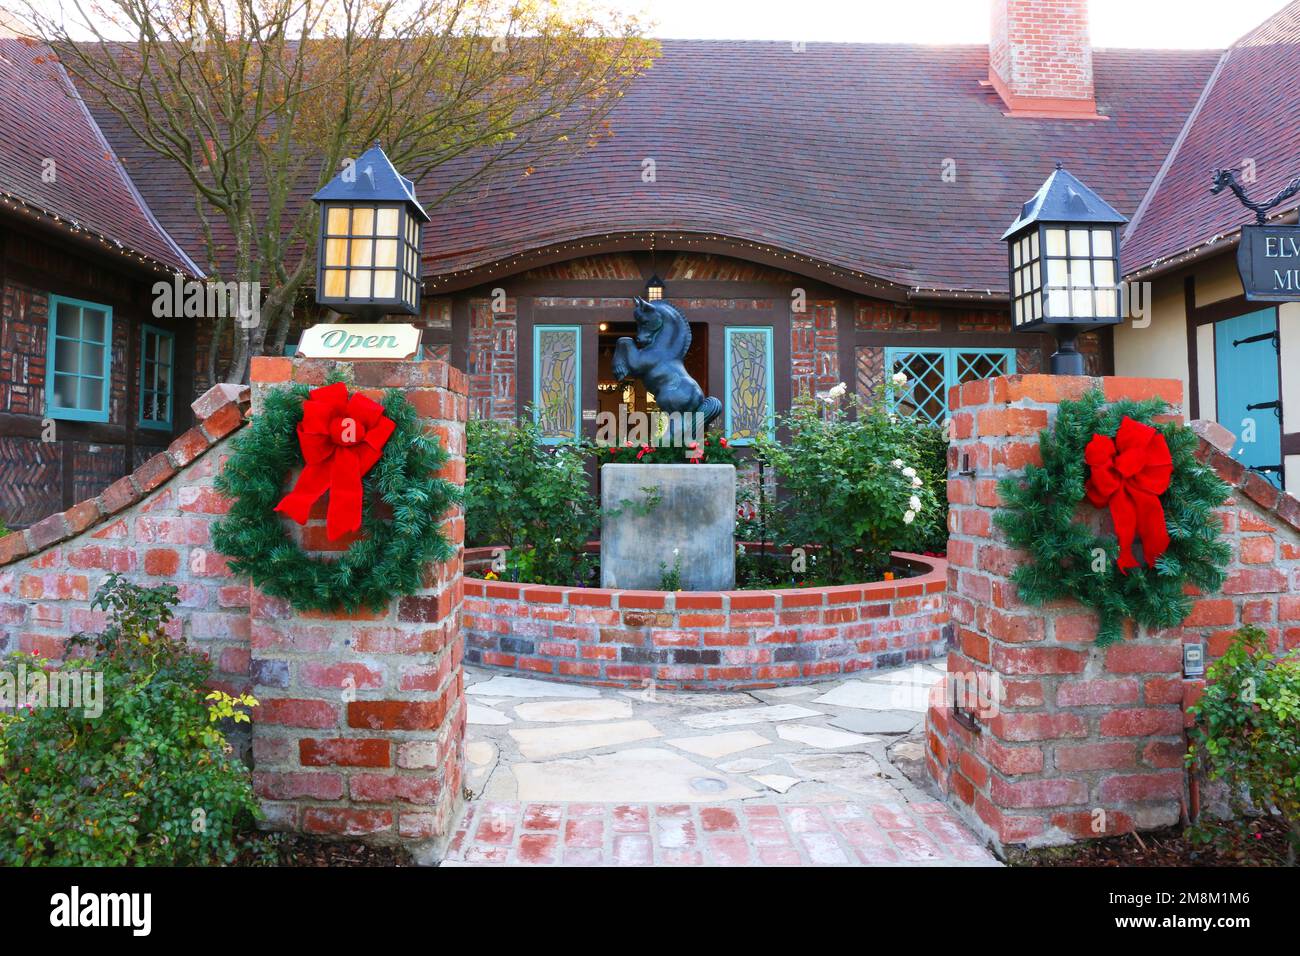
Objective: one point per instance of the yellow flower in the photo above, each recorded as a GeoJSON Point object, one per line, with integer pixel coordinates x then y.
{"type": "Point", "coordinates": [490, 576]}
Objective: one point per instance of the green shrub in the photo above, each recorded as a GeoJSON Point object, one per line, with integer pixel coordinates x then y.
{"type": "Point", "coordinates": [4, 528]}
{"type": "Point", "coordinates": [532, 498]}
{"type": "Point", "coordinates": [1247, 731]}
{"type": "Point", "coordinates": [149, 781]}
{"type": "Point", "coordinates": [850, 487]}
{"type": "Point", "coordinates": [930, 452]}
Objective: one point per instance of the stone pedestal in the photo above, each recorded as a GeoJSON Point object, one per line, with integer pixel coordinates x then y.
{"type": "Point", "coordinates": [696, 516]}
{"type": "Point", "coordinates": [361, 727]}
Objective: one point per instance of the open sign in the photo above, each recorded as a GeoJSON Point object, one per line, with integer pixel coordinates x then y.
{"type": "Point", "coordinates": [359, 342]}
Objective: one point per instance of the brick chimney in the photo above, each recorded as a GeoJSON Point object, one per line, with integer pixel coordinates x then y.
{"type": "Point", "coordinates": [1040, 58]}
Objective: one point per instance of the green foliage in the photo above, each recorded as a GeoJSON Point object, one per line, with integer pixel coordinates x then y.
{"type": "Point", "coordinates": [850, 487]}
{"type": "Point", "coordinates": [530, 497]}
{"type": "Point", "coordinates": [4, 528]}
{"type": "Point", "coordinates": [1247, 729]}
{"type": "Point", "coordinates": [1071, 561]}
{"type": "Point", "coordinates": [149, 781]}
{"type": "Point", "coordinates": [670, 579]}
{"type": "Point", "coordinates": [388, 561]}
{"type": "Point", "coordinates": [930, 452]}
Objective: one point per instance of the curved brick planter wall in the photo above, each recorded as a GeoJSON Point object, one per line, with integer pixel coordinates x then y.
{"type": "Point", "coordinates": [704, 640]}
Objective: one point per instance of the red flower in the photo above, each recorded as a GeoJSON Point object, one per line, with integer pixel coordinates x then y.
{"type": "Point", "coordinates": [723, 442]}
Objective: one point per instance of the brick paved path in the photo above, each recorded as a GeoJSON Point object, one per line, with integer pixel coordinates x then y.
{"type": "Point", "coordinates": [567, 775]}
{"type": "Point", "coordinates": [733, 834]}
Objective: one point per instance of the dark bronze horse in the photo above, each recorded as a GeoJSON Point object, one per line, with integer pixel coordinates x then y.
{"type": "Point", "coordinates": [655, 357]}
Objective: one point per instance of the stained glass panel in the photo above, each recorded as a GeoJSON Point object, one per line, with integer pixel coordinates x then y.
{"type": "Point", "coordinates": [749, 383]}
{"type": "Point", "coordinates": [557, 358]}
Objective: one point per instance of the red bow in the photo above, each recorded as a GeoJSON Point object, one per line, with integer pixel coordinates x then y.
{"type": "Point", "coordinates": [341, 438]}
{"type": "Point", "coordinates": [1129, 473]}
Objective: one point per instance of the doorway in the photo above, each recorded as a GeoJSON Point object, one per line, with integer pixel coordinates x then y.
{"type": "Point", "coordinates": [1247, 386]}
{"type": "Point", "coordinates": [610, 393]}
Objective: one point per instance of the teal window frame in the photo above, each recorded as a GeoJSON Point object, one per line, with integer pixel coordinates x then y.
{"type": "Point", "coordinates": [767, 331]}
{"type": "Point", "coordinates": [577, 380]}
{"type": "Point", "coordinates": [52, 408]}
{"type": "Point", "coordinates": [145, 332]}
{"type": "Point", "coordinates": [951, 363]}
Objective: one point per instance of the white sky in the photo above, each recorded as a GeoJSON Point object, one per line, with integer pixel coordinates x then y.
{"type": "Point", "coordinates": [1115, 23]}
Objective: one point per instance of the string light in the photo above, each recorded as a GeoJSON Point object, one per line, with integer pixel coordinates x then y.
{"type": "Point", "coordinates": [18, 205]}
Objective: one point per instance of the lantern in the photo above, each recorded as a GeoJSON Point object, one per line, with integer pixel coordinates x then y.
{"type": "Point", "coordinates": [1063, 261]}
{"type": "Point", "coordinates": [368, 261]}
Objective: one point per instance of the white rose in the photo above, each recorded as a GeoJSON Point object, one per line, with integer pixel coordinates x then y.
{"type": "Point", "coordinates": [917, 482]}
{"type": "Point", "coordinates": [897, 463]}
{"type": "Point", "coordinates": [838, 391]}
{"type": "Point", "coordinates": [914, 503]}
{"type": "Point", "coordinates": [909, 517]}
{"type": "Point", "coordinates": [900, 379]}
{"type": "Point", "coordinates": [909, 472]}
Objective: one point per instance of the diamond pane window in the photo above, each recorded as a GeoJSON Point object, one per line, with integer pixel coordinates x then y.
{"type": "Point", "coordinates": [78, 360]}
{"type": "Point", "coordinates": [750, 402]}
{"type": "Point", "coordinates": [157, 347]}
{"type": "Point", "coordinates": [557, 385]}
{"type": "Point", "coordinates": [931, 372]}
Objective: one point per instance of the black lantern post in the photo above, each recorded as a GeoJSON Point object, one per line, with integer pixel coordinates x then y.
{"type": "Point", "coordinates": [1063, 255]}
{"type": "Point", "coordinates": [654, 289]}
{"type": "Point", "coordinates": [368, 261]}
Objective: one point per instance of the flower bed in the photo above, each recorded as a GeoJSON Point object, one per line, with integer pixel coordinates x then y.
{"type": "Point", "coordinates": [704, 640]}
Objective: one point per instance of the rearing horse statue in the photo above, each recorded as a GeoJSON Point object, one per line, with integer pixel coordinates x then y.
{"type": "Point", "coordinates": [655, 357]}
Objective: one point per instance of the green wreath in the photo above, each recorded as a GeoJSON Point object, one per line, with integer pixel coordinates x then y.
{"type": "Point", "coordinates": [387, 562]}
{"type": "Point", "coordinates": [1039, 516]}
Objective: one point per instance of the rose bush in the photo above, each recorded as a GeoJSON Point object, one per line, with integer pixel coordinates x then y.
{"type": "Point", "coordinates": [851, 490]}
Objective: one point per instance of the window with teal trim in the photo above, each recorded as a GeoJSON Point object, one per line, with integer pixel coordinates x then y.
{"type": "Point", "coordinates": [750, 404]}
{"type": "Point", "coordinates": [157, 363]}
{"type": "Point", "coordinates": [931, 372]}
{"type": "Point", "coordinates": [557, 382]}
{"type": "Point", "coordinates": [78, 358]}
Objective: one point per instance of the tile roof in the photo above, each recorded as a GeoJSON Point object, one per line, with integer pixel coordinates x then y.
{"type": "Point", "coordinates": [835, 153]}
{"type": "Point", "coordinates": [42, 119]}
{"type": "Point", "coordinates": [1248, 111]}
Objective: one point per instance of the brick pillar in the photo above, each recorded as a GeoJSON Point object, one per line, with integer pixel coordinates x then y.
{"type": "Point", "coordinates": [361, 727]}
{"type": "Point", "coordinates": [1086, 741]}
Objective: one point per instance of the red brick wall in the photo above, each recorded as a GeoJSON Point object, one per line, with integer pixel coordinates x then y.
{"type": "Point", "coordinates": [814, 355]}
{"type": "Point", "coordinates": [153, 526]}
{"type": "Point", "coordinates": [1088, 741]}
{"type": "Point", "coordinates": [703, 640]}
{"type": "Point", "coordinates": [360, 731]}
{"type": "Point", "coordinates": [493, 359]}
{"type": "Point", "coordinates": [361, 728]}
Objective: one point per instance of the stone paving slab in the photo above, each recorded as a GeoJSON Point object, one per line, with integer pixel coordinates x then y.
{"type": "Point", "coordinates": [785, 777]}
{"type": "Point", "coordinates": [729, 834]}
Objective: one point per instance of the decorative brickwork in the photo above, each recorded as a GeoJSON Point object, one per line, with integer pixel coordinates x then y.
{"type": "Point", "coordinates": [704, 640]}
{"type": "Point", "coordinates": [492, 360]}
{"type": "Point", "coordinates": [814, 360]}
{"type": "Point", "coordinates": [869, 370]}
{"type": "Point", "coordinates": [361, 728]}
{"type": "Point", "coordinates": [1087, 741]}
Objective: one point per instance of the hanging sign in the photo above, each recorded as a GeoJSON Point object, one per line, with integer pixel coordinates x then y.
{"type": "Point", "coordinates": [354, 342]}
{"type": "Point", "coordinates": [1268, 259]}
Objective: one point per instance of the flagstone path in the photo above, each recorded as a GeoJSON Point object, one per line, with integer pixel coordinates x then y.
{"type": "Point", "coordinates": [569, 774]}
